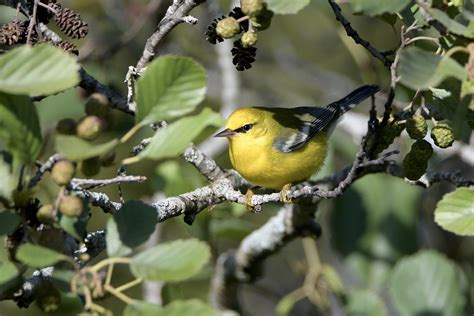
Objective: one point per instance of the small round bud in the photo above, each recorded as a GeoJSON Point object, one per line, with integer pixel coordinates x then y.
{"type": "Point", "coordinates": [228, 27]}
{"type": "Point", "coordinates": [90, 167]}
{"type": "Point", "coordinates": [46, 214]}
{"type": "Point", "coordinates": [97, 105]}
{"type": "Point", "coordinates": [107, 160]}
{"type": "Point", "coordinates": [89, 127]}
{"type": "Point", "coordinates": [442, 135]}
{"type": "Point", "coordinates": [249, 39]}
{"type": "Point", "coordinates": [63, 171]}
{"type": "Point", "coordinates": [70, 206]}
{"type": "Point", "coordinates": [422, 149]}
{"type": "Point", "coordinates": [252, 8]}
{"type": "Point", "coordinates": [413, 168]}
{"type": "Point", "coordinates": [262, 21]}
{"type": "Point", "coordinates": [66, 126]}
{"type": "Point", "coordinates": [417, 127]}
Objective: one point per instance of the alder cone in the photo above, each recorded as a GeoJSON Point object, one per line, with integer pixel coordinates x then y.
{"type": "Point", "coordinates": [13, 32]}
{"type": "Point", "coordinates": [68, 47]}
{"type": "Point", "coordinates": [70, 22]}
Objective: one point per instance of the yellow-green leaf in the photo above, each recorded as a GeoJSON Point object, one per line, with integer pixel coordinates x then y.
{"type": "Point", "coordinates": [39, 256]}
{"type": "Point", "coordinates": [75, 148]}
{"type": "Point", "coordinates": [455, 212]}
{"type": "Point", "coordinates": [39, 70]}
{"type": "Point", "coordinates": [171, 261]}
{"type": "Point", "coordinates": [170, 87]}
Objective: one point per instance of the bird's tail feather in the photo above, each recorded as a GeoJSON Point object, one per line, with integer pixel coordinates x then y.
{"type": "Point", "coordinates": [355, 97]}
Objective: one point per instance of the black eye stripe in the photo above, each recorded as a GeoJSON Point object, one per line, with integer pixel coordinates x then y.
{"type": "Point", "coordinates": [244, 129]}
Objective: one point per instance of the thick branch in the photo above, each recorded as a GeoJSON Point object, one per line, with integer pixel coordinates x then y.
{"type": "Point", "coordinates": [116, 100]}
{"type": "Point", "coordinates": [206, 166]}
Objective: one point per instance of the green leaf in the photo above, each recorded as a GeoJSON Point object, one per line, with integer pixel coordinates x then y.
{"type": "Point", "coordinates": [39, 70]}
{"type": "Point", "coordinates": [39, 256]}
{"type": "Point", "coordinates": [375, 7]}
{"type": "Point", "coordinates": [172, 261]}
{"type": "Point", "coordinates": [115, 247]}
{"type": "Point", "coordinates": [287, 7]}
{"type": "Point", "coordinates": [19, 127]}
{"type": "Point", "coordinates": [365, 302]}
{"type": "Point", "coordinates": [187, 308]}
{"type": "Point", "coordinates": [136, 221]}
{"type": "Point", "coordinates": [452, 25]}
{"type": "Point", "coordinates": [170, 87]}
{"type": "Point", "coordinates": [8, 272]}
{"type": "Point", "coordinates": [140, 308]}
{"type": "Point", "coordinates": [426, 282]}
{"type": "Point", "coordinates": [420, 69]}
{"type": "Point", "coordinates": [173, 139]}
{"type": "Point", "coordinates": [132, 226]}
{"type": "Point", "coordinates": [8, 183]}
{"type": "Point", "coordinates": [9, 221]}
{"type": "Point", "coordinates": [75, 148]}
{"type": "Point", "coordinates": [10, 279]}
{"type": "Point", "coordinates": [176, 308]}
{"type": "Point", "coordinates": [455, 212]}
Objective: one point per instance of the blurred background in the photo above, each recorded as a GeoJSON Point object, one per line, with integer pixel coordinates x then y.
{"type": "Point", "coordinates": [303, 59]}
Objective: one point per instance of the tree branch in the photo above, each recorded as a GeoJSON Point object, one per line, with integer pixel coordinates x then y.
{"type": "Point", "coordinates": [177, 13]}
{"type": "Point", "coordinates": [47, 166]}
{"type": "Point", "coordinates": [97, 183]}
{"type": "Point", "coordinates": [356, 37]}
{"type": "Point", "coordinates": [116, 100]}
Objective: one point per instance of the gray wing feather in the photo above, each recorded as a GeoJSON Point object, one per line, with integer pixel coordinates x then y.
{"type": "Point", "coordinates": [313, 120]}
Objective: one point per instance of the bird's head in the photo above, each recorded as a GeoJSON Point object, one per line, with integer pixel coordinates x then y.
{"type": "Point", "coordinates": [245, 123]}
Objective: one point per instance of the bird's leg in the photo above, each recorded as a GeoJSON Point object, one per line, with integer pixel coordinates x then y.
{"type": "Point", "coordinates": [284, 193]}
{"type": "Point", "coordinates": [248, 198]}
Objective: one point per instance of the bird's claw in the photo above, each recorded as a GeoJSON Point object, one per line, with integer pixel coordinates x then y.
{"type": "Point", "coordinates": [284, 193]}
{"type": "Point", "coordinates": [248, 200]}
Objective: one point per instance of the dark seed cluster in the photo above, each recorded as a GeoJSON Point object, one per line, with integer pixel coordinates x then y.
{"type": "Point", "coordinates": [243, 57]}
{"type": "Point", "coordinates": [255, 17]}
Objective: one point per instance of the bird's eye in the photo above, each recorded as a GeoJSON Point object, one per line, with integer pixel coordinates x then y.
{"type": "Point", "coordinates": [247, 127]}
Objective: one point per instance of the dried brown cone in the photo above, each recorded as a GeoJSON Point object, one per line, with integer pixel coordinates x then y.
{"type": "Point", "coordinates": [70, 22]}
{"type": "Point", "coordinates": [13, 33]}
{"type": "Point", "coordinates": [67, 47]}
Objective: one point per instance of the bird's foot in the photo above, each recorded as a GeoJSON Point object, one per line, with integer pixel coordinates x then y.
{"type": "Point", "coordinates": [284, 193]}
{"type": "Point", "coordinates": [248, 199]}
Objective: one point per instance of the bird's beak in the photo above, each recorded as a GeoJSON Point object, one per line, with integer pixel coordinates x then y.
{"type": "Point", "coordinates": [225, 133]}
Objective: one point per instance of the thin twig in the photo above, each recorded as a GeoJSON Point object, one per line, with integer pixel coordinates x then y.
{"type": "Point", "coordinates": [47, 166]}
{"type": "Point", "coordinates": [356, 37]}
{"type": "Point", "coordinates": [177, 13]}
{"type": "Point", "coordinates": [32, 22]}
{"type": "Point", "coordinates": [97, 183]}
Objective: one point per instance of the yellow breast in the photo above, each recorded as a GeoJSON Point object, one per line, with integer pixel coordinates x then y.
{"type": "Point", "coordinates": [263, 165]}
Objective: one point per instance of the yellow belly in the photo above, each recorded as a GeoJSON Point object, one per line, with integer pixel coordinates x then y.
{"type": "Point", "coordinates": [265, 166]}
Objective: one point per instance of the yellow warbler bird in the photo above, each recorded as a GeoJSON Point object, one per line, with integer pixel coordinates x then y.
{"type": "Point", "coordinates": [274, 147]}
